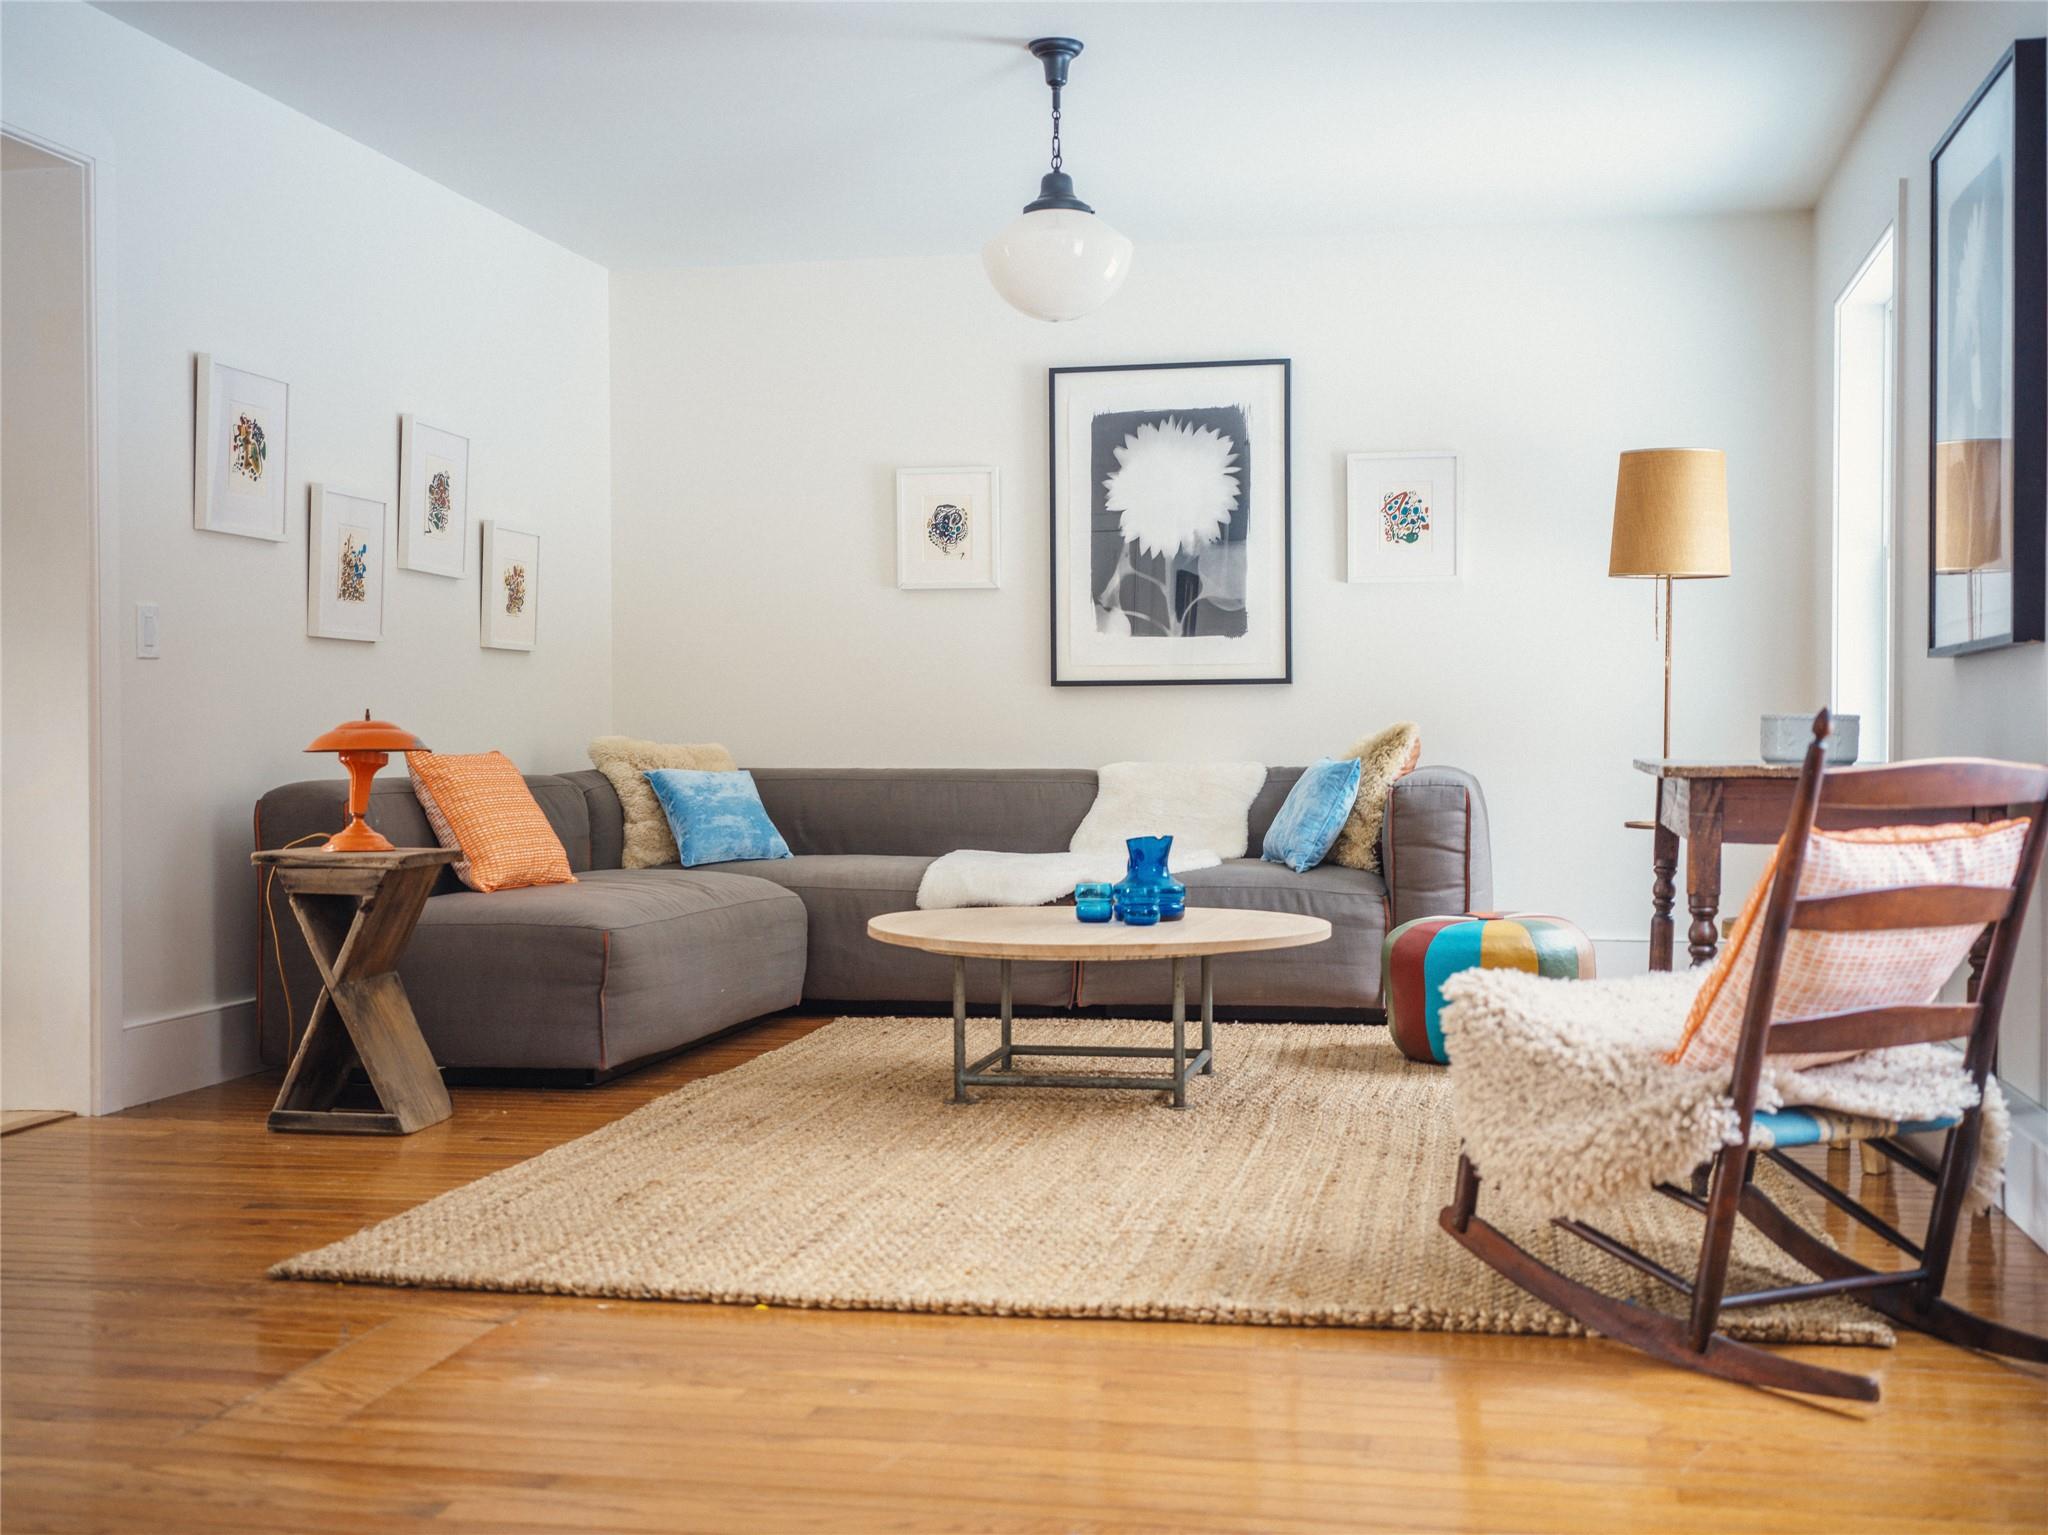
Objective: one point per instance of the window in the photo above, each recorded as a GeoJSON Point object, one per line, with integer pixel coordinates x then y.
{"type": "Point", "coordinates": [1866, 403]}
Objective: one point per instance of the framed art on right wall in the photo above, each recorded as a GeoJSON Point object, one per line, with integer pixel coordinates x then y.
{"type": "Point", "coordinates": [1401, 516]}
{"type": "Point", "coordinates": [1987, 468]}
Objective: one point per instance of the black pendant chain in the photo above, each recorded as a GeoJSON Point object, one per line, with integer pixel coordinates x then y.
{"type": "Point", "coordinates": [1055, 127]}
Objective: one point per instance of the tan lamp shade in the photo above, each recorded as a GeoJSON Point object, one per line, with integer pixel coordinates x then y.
{"type": "Point", "coordinates": [1969, 505]}
{"type": "Point", "coordinates": [1670, 513]}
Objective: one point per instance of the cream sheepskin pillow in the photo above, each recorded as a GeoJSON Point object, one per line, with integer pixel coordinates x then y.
{"type": "Point", "coordinates": [1385, 757]}
{"type": "Point", "coordinates": [1203, 806]}
{"type": "Point", "coordinates": [624, 760]}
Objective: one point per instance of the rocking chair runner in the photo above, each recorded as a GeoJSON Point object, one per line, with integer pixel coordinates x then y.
{"type": "Point", "coordinates": [1911, 1295]}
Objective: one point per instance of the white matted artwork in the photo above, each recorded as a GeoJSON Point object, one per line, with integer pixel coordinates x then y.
{"type": "Point", "coordinates": [433, 498]}
{"type": "Point", "coordinates": [1171, 525]}
{"type": "Point", "coordinates": [240, 423]}
{"type": "Point", "coordinates": [511, 588]}
{"type": "Point", "coordinates": [346, 544]}
{"type": "Point", "coordinates": [1401, 516]}
{"type": "Point", "coordinates": [948, 528]}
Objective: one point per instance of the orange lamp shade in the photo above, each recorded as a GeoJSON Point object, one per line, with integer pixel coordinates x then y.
{"type": "Point", "coordinates": [364, 746]}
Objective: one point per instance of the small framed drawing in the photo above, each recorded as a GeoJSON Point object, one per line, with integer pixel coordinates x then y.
{"type": "Point", "coordinates": [345, 563]}
{"type": "Point", "coordinates": [511, 588]}
{"type": "Point", "coordinates": [433, 498]}
{"type": "Point", "coordinates": [240, 424]}
{"type": "Point", "coordinates": [948, 528]}
{"type": "Point", "coordinates": [1401, 521]}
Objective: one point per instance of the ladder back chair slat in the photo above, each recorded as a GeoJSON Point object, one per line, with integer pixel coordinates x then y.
{"type": "Point", "coordinates": [1871, 1028]}
{"type": "Point", "coordinates": [1935, 783]}
{"type": "Point", "coordinates": [1903, 906]}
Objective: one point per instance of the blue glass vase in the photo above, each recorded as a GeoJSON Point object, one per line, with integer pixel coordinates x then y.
{"type": "Point", "coordinates": [1147, 893]}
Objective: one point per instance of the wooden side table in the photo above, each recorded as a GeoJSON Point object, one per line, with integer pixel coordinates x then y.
{"type": "Point", "coordinates": [1712, 803]}
{"type": "Point", "coordinates": [357, 910]}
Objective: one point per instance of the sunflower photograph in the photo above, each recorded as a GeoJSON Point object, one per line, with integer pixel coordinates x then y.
{"type": "Point", "coordinates": [1170, 523]}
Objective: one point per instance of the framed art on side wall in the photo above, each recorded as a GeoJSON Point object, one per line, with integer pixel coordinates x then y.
{"type": "Point", "coordinates": [511, 588]}
{"type": "Point", "coordinates": [433, 498]}
{"type": "Point", "coordinates": [948, 528]}
{"type": "Point", "coordinates": [346, 545]}
{"type": "Point", "coordinates": [1171, 529]}
{"type": "Point", "coordinates": [240, 425]}
{"type": "Point", "coordinates": [1987, 469]}
{"type": "Point", "coordinates": [1401, 516]}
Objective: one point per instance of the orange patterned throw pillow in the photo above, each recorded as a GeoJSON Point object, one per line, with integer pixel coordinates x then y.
{"type": "Point", "coordinates": [480, 805]}
{"type": "Point", "coordinates": [1841, 972]}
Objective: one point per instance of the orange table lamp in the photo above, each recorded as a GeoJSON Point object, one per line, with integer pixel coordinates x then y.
{"type": "Point", "coordinates": [365, 746]}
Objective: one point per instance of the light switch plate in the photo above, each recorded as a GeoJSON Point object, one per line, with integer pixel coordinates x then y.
{"type": "Point", "coordinates": [148, 639]}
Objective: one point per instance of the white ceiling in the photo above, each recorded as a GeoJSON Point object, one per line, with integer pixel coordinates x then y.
{"type": "Point", "coordinates": [659, 134]}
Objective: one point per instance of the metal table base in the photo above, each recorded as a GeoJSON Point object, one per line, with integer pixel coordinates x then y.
{"type": "Point", "coordinates": [978, 1073]}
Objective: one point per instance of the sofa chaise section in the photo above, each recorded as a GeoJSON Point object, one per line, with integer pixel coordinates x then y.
{"type": "Point", "coordinates": [585, 978]}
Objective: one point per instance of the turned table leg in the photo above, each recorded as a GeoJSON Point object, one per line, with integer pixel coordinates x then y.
{"type": "Point", "coordinates": [1663, 888]}
{"type": "Point", "coordinates": [1703, 870]}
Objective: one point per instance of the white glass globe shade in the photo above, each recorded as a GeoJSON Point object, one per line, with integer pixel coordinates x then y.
{"type": "Point", "coordinates": [1057, 263]}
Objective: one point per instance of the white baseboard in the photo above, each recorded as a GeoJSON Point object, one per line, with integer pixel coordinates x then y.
{"type": "Point", "coordinates": [2026, 1169]}
{"type": "Point", "coordinates": [165, 1056]}
{"type": "Point", "coordinates": [1621, 956]}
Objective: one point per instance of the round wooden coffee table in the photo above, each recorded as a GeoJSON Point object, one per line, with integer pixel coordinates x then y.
{"type": "Point", "coordinates": [1010, 933]}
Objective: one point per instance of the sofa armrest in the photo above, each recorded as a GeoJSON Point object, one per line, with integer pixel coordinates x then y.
{"type": "Point", "coordinates": [1435, 850]}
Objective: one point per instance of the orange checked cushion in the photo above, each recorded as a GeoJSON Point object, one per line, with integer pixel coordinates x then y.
{"type": "Point", "coordinates": [481, 806]}
{"type": "Point", "coordinates": [1840, 972]}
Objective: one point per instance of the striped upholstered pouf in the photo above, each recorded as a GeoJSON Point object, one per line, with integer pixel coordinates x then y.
{"type": "Point", "coordinates": [1420, 956]}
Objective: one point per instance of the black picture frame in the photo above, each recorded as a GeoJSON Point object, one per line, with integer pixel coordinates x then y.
{"type": "Point", "coordinates": [2025, 339]}
{"type": "Point", "coordinates": [1285, 675]}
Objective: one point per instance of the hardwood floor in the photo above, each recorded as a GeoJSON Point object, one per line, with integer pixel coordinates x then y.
{"type": "Point", "coordinates": [156, 1381]}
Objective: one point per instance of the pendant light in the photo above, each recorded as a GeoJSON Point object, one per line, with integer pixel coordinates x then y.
{"type": "Point", "coordinates": [1059, 260]}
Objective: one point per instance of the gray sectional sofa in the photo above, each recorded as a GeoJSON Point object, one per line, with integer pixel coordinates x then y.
{"type": "Point", "coordinates": [624, 965]}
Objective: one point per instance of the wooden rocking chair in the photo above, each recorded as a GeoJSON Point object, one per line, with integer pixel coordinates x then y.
{"type": "Point", "coordinates": [1910, 1295]}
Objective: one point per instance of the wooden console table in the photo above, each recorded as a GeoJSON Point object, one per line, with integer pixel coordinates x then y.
{"type": "Point", "coordinates": [357, 910]}
{"type": "Point", "coordinates": [1711, 803]}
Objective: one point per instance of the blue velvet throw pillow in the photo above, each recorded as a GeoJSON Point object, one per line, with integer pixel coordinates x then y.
{"type": "Point", "coordinates": [1308, 823]}
{"type": "Point", "coordinates": [716, 817]}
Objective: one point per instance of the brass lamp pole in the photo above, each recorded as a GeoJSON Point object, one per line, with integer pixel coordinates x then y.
{"type": "Point", "coordinates": [1670, 523]}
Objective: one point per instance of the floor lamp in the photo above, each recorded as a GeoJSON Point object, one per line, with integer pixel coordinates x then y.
{"type": "Point", "coordinates": [1671, 523]}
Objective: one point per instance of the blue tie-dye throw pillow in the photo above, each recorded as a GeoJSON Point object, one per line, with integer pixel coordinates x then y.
{"type": "Point", "coordinates": [1314, 813]}
{"type": "Point", "coordinates": [716, 817]}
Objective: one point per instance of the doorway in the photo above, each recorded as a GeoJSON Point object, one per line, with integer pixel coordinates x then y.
{"type": "Point", "coordinates": [48, 608]}
{"type": "Point", "coordinates": [1866, 448]}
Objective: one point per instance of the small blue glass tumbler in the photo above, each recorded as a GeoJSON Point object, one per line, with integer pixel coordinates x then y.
{"type": "Point", "coordinates": [1092, 902]}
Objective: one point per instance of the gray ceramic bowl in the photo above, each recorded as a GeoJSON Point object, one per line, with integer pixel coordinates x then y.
{"type": "Point", "coordinates": [1785, 738]}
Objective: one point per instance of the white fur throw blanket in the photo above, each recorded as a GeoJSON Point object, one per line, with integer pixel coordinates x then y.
{"type": "Point", "coordinates": [1566, 1105]}
{"type": "Point", "coordinates": [1198, 804]}
{"type": "Point", "coordinates": [1204, 806]}
{"type": "Point", "coordinates": [975, 878]}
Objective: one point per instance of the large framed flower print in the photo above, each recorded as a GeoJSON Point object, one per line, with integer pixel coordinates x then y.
{"type": "Point", "coordinates": [1171, 534]}
{"type": "Point", "coordinates": [1987, 464]}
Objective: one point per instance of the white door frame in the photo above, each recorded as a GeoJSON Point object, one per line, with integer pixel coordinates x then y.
{"type": "Point", "coordinates": [82, 143]}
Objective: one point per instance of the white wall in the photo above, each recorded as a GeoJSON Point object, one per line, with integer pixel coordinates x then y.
{"type": "Point", "coordinates": [46, 558]}
{"type": "Point", "coordinates": [1994, 704]}
{"type": "Point", "coordinates": [760, 413]}
{"type": "Point", "coordinates": [249, 231]}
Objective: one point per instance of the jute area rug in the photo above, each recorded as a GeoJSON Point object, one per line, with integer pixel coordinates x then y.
{"type": "Point", "coordinates": [1300, 1187]}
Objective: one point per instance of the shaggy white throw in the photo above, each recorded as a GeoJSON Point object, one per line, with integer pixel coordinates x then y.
{"type": "Point", "coordinates": [1567, 1107]}
{"type": "Point", "coordinates": [1198, 804]}
{"type": "Point", "coordinates": [1204, 807]}
{"type": "Point", "coordinates": [975, 878]}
